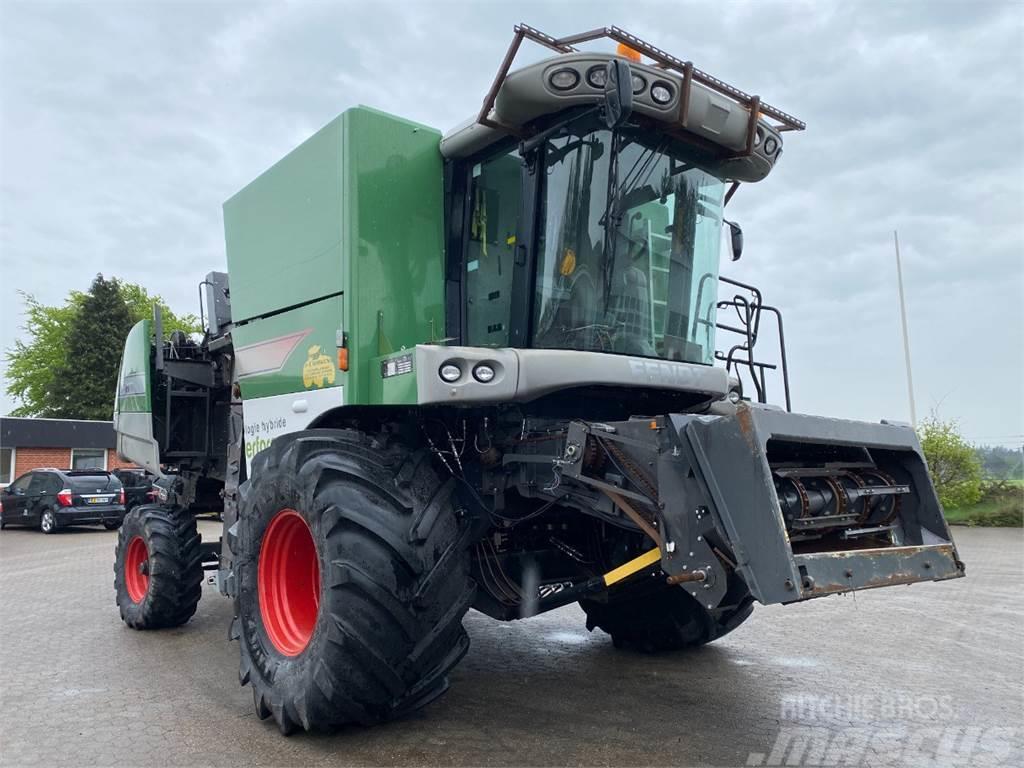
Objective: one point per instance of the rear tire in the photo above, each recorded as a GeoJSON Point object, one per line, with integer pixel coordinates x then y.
{"type": "Point", "coordinates": [48, 522]}
{"type": "Point", "coordinates": [158, 571]}
{"type": "Point", "coordinates": [654, 617]}
{"type": "Point", "coordinates": [359, 618]}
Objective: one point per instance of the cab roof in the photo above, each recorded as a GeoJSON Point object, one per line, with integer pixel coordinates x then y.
{"type": "Point", "coordinates": [673, 95]}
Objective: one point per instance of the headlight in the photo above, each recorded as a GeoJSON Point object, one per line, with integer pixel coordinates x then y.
{"type": "Point", "coordinates": [770, 145]}
{"type": "Point", "coordinates": [758, 136]}
{"type": "Point", "coordinates": [661, 93]}
{"type": "Point", "coordinates": [639, 84]}
{"type": "Point", "coordinates": [733, 396]}
{"type": "Point", "coordinates": [597, 77]}
{"type": "Point", "coordinates": [483, 373]}
{"type": "Point", "coordinates": [450, 372]}
{"type": "Point", "coordinates": [564, 79]}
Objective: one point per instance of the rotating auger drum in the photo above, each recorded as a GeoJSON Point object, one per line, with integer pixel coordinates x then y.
{"type": "Point", "coordinates": [818, 499]}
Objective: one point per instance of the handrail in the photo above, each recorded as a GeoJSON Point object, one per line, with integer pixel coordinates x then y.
{"type": "Point", "coordinates": [742, 353]}
{"type": "Point", "coordinates": [662, 59]}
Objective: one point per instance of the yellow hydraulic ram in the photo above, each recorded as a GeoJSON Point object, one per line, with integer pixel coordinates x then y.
{"type": "Point", "coordinates": [634, 565]}
{"type": "Point", "coordinates": [599, 583]}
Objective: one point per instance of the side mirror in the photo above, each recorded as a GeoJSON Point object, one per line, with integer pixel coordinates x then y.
{"type": "Point", "coordinates": [735, 240]}
{"type": "Point", "coordinates": [618, 93]}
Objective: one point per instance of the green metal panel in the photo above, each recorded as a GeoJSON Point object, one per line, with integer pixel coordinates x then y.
{"type": "Point", "coordinates": [291, 351]}
{"type": "Point", "coordinates": [133, 404]}
{"type": "Point", "coordinates": [134, 385]}
{"type": "Point", "coordinates": [283, 230]}
{"type": "Point", "coordinates": [357, 209]}
{"type": "Point", "coordinates": [394, 234]}
{"type": "Point", "coordinates": [393, 379]}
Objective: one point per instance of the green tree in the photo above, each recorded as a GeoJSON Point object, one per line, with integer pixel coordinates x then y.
{"type": "Point", "coordinates": [85, 382]}
{"type": "Point", "coordinates": [1001, 463]}
{"type": "Point", "coordinates": [35, 365]}
{"type": "Point", "coordinates": [952, 463]}
{"type": "Point", "coordinates": [140, 304]}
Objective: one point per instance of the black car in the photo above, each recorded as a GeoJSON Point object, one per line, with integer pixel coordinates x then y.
{"type": "Point", "coordinates": [138, 487]}
{"type": "Point", "coordinates": [53, 498]}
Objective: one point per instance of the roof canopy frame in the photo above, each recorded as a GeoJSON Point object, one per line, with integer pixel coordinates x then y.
{"type": "Point", "coordinates": [663, 60]}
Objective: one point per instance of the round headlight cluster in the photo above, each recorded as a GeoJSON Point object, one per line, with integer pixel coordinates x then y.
{"type": "Point", "coordinates": [564, 79]}
{"type": "Point", "coordinates": [661, 93]}
{"type": "Point", "coordinates": [450, 372]}
{"type": "Point", "coordinates": [770, 145]}
{"type": "Point", "coordinates": [597, 76]}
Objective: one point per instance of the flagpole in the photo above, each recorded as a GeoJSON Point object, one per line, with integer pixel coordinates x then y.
{"type": "Point", "coordinates": [906, 336]}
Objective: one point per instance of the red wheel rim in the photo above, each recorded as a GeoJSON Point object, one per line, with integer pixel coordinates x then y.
{"type": "Point", "coordinates": [136, 569]}
{"type": "Point", "coordinates": [289, 582]}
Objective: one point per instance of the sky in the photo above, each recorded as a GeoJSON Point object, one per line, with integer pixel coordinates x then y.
{"type": "Point", "coordinates": [124, 127]}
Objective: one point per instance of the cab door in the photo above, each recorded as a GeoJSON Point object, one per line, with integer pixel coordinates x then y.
{"type": "Point", "coordinates": [490, 249]}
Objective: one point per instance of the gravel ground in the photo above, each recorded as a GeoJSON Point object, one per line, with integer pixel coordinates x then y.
{"type": "Point", "coordinates": [930, 675]}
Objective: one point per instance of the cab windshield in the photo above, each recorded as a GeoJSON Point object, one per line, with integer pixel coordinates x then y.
{"type": "Point", "coordinates": [628, 251]}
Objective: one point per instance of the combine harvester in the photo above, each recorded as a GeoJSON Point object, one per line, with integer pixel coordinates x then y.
{"type": "Point", "coordinates": [480, 370]}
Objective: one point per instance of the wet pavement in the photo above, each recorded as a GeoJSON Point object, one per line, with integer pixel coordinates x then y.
{"type": "Point", "coordinates": [930, 674]}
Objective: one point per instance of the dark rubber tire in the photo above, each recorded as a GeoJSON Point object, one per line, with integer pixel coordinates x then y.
{"type": "Point", "coordinates": [654, 617]}
{"type": "Point", "coordinates": [48, 522]}
{"type": "Point", "coordinates": [393, 582]}
{"type": "Point", "coordinates": [174, 567]}
{"type": "Point", "coordinates": [112, 526]}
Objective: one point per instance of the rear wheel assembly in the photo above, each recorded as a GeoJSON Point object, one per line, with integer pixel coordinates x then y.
{"type": "Point", "coordinates": [352, 581]}
{"type": "Point", "coordinates": [48, 522]}
{"type": "Point", "coordinates": [158, 573]}
{"type": "Point", "coordinates": [654, 617]}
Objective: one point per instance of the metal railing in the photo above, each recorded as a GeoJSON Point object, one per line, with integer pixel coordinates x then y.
{"type": "Point", "coordinates": [740, 355]}
{"type": "Point", "coordinates": [753, 103]}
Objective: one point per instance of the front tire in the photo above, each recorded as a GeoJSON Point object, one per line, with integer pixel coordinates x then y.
{"type": "Point", "coordinates": [112, 525]}
{"type": "Point", "coordinates": [353, 578]}
{"type": "Point", "coordinates": [654, 617]}
{"type": "Point", "coordinates": [158, 570]}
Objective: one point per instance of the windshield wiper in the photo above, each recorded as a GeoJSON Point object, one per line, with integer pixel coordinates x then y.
{"type": "Point", "coordinates": [526, 146]}
{"type": "Point", "coordinates": [610, 212]}
{"type": "Point", "coordinates": [639, 173]}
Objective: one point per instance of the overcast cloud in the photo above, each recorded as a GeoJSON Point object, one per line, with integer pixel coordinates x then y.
{"type": "Point", "coordinates": [125, 126]}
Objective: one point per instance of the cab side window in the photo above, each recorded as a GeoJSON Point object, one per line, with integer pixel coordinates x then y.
{"type": "Point", "coordinates": [21, 484]}
{"type": "Point", "coordinates": [40, 484]}
{"type": "Point", "coordinates": [494, 193]}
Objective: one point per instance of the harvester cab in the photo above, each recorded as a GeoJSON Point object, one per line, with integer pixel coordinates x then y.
{"type": "Point", "coordinates": [589, 196]}
{"type": "Point", "coordinates": [499, 368]}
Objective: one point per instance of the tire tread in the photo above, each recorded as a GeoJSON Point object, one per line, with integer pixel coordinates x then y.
{"type": "Point", "coordinates": [395, 561]}
{"type": "Point", "coordinates": [176, 570]}
{"type": "Point", "coordinates": [663, 618]}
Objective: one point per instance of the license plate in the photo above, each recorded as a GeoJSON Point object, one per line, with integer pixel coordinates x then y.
{"type": "Point", "coordinates": [99, 500]}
